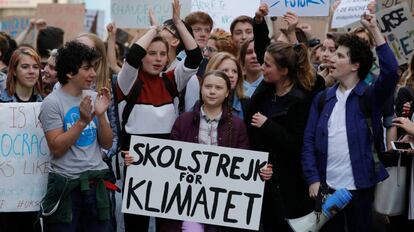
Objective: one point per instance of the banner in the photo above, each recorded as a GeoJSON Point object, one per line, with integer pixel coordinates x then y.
{"type": "Point", "coordinates": [348, 12]}
{"type": "Point", "coordinates": [300, 7]}
{"type": "Point", "coordinates": [68, 17]}
{"type": "Point", "coordinates": [24, 157]}
{"type": "Point", "coordinates": [134, 14]}
{"type": "Point", "coordinates": [194, 182]}
{"type": "Point", "coordinates": [224, 11]}
{"type": "Point", "coordinates": [14, 25]}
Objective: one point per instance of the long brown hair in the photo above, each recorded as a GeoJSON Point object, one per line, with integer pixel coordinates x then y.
{"type": "Point", "coordinates": [226, 101]}
{"type": "Point", "coordinates": [14, 61]}
{"type": "Point", "coordinates": [216, 61]}
{"type": "Point", "coordinates": [295, 58]}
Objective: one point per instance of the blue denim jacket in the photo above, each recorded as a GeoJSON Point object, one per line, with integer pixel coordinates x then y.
{"type": "Point", "coordinates": [315, 147]}
{"type": "Point", "coordinates": [5, 97]}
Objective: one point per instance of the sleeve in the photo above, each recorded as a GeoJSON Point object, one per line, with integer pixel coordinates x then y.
{"type": "Point", "coordinates": [308, 158]}
{"type": "Point", "coordinates": [50, 115]}
{"type": "Point", "coordinates": [187, 68]}
{"type": "Point", "coordinates": [404, 95]}
{"type": "Point", "coordinates": [129, 71]}
{"type": "Point", "coordinates": [242, 137]}
{"type": "Point", "coordinates": [261, 39]}
{"type": "Point", "coordinates": [387, 81]}
{"type": "Point", "coordinates": [175, 131]}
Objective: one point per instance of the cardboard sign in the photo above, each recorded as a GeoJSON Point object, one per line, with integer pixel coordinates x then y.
{"type": "Point", "coordinates": [14, 25]}
{"type": "Point", "coordinates": [224, 11]}
{"type": "Point", "coordinates": [300, 7]}
{"type": "Point", "coordinates": [396, 23]}
{"type": "Point", "coordinates": [348, 12]}
{"type": "Point", "coordinates": [134, 14]}
{"type": "Point", "coordinates": [24, 157]}
{"type": "Point", "coordinates": [94, 22]}
{"type": "Point", "coordinates": [194, 182]}
{"type": "Point", "coordinates": [68, 17]}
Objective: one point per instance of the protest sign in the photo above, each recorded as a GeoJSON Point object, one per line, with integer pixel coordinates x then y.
{"type": "Point", "coordinates": [24, 157]}
{"type": "Point", "coordinates": [396, 23]}
{"type": "Point", "coordinates": [300, 7]}
{"type": "Point", "coordinates": [194, 182]}
{"type": "Point", "coordinates": [134, 14]}
{"type": "Point", "coordinates": [348, 12]}
{"type": "Point", "coordinates": [14, 25]}
{"type": "Point", "coordinates": [224, 11]}
{"type": "Point", "coordinates": [68, 17]}
{"type": "Point", "coordinates": [94, 22]}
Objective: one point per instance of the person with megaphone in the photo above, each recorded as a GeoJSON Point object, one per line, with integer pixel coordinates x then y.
{"type": "Point", "coordinates": [344, 129]}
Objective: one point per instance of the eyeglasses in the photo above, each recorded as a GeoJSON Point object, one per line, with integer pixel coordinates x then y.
{"type": "Point", "coordinates": [209, 49]}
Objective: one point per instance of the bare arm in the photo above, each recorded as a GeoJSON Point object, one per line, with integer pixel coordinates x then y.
{"type": "Point", "coordinates": [188, 40]}
{"type": "Point", "coordinates": [23, 35]}
{"type": "Point", "coordinates": [111, 29]}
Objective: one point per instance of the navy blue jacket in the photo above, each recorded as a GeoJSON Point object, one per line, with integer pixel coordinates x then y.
{"type": "Point", "coordinates": [315, 147]}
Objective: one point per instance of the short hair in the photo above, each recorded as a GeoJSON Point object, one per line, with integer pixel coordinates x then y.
{"type": "Point", "coordinates": [70, 58]}
{"type": "Point", "coordinates": [169, 24]}
{"type": "Point", "coordinates": [334, 36]}
{"type": "Point", "coordinates": [359, 52]}
{"type": "Point", "coordinates": [241, 19]}
{"type": "Point", "coordinates": [49, 38]}
{"type": "Point", "coordinates": [199, 17]}
{"type": "Point", "coordinates": [14, 61]}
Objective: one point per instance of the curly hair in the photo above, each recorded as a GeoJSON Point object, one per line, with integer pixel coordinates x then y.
{"type": "Point", "coordinates": [70, 58]}
{"type": "Point", "coordinates": [223, 42]}
{"type": "Point", "coordinates": [359, 52]}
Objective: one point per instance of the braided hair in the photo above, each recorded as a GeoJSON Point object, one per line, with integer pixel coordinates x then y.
{"type": "Point", "coordinates": [226, 101]}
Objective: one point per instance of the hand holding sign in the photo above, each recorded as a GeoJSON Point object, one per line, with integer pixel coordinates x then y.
{"type": "Point", "coordinates": [292, 21]}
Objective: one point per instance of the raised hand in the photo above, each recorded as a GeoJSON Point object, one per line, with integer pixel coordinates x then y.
{"type": "Point", "coordinates": [176, 7]}
{"type": "Point", "coordinates": [261, 12]}
{"type": "Point", "coordinates": [85, 110]}
{"type": "Point", "coordinates": [111, 29]}
{"type": "Point", "coordinates": [103, 100]}
{"type": "Point", "coordinates": [153, 20]}
{"type": "Point", "coordinates": [292, 20]}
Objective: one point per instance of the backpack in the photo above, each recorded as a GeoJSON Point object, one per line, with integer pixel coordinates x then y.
{"type": "Point", "coordinates": [135, 90]}
{"type": "Point", "coordinates": [367, 111]}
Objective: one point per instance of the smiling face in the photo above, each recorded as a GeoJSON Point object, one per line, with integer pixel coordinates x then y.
{"type": "Point", "coordinates": [213, 91]}
{"type": "Point", "coordinates": [27, 71]}
{"type": "Point", "coordinates": [156, 59]}
{"type": "Point", "coordinates": [50, 73]}
{"type": "Point", "coordinates": [229, 67]}
{"type": "Point", "coordinates": [85, 77]}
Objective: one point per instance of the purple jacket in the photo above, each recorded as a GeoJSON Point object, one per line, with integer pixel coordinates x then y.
{"type": "Point", "coordinates": [187, 125]}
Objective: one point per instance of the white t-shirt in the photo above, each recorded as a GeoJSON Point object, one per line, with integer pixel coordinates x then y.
{"type": "Point", "coordinates": [339, 169]}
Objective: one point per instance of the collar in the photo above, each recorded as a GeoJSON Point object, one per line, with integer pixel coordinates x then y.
{"type": "Point", "coordinates": [208, 120]}
{"type": "Point", "coordinates": [359, 90]}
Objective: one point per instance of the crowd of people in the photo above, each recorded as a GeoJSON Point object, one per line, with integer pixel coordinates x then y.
{"type": "Point", "coordinates": [315, 105]}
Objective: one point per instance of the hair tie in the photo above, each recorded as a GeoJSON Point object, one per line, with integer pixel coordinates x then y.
{"type": "Point", "coordinates": [297, 47]}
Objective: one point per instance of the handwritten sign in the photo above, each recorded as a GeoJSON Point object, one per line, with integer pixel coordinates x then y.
{"type": "Point", "coordinates": [68, 17]}
{"type": "Point", "coordinates": [300, 7]}
{"type": "Point", "coordinates": [134, 14]}
{"type": "Point", "coordinates": [24, 157]}
{"type": "Point", "coordinates": [14, 25]}
{"type": "Point", "coordinates": [21, 3]}
{"type": "Point", "coordinates": [396, 23]}
{"type": "Point", "coordinates": [348, 12]}
{"type": "Point", "coordinates": [224, 11]}
{"type": "Point", "coordinates": [194, 182]}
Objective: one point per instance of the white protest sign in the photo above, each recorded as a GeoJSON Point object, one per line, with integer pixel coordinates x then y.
{"type": "Point", "coordinates": [134, 14]}
{"type": "Point", "coordinates": [300, 7]}
{"type": "Point", "coordinates": [24, 157]}
{"type": "Point", "coordinates": [194, 182]}
{"type": "Point", "coordinates": [396, 23]}
{"type": "Point", "coordinates": [349, 11]}
{"type": "Point", "coordinates": [224, 11]}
